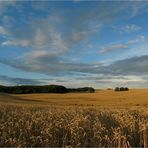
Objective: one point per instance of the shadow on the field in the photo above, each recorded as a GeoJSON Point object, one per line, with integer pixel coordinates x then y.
{"type": "Point", "coordinates": [9, 97]}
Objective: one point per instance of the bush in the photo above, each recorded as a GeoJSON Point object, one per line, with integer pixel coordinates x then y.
{"type": "Point", "coordinates": [126, 89]}
{"type": "Point", "coordinates": [121, 89]}
{"type": "Point", "coordinates": [117, 89]}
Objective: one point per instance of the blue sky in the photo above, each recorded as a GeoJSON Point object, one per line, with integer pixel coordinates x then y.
{"type": "Point", "coordinates": [74, 43]}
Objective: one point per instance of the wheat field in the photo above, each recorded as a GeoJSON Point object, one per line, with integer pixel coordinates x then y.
{"type": "Point", "coordinates": [102, 119]}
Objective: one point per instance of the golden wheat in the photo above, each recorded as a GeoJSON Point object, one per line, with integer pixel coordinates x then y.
{"type": "Point", "coordinates": [23, 126]}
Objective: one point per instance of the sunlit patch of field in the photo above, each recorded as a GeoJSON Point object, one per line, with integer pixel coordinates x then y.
{"type": "Point", "coordinates": [135, 97]}
{"type": "Point", "coordinates": [102, 119]}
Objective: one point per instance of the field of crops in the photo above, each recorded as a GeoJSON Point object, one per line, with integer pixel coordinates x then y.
{"type": "Point", "coordinates": [34, 125]}
{"type": "Point", "coordinates": [72, 126]}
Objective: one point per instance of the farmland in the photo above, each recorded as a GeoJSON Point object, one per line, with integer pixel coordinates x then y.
{"type": "Point", "coordinates": [102, 119]}
{"type": "Point", "coordinates": [105, 98]}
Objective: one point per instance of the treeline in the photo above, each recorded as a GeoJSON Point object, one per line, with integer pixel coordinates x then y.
{"type": "Point", "coordinates": [42, 89]}
{"type": "Point", "coordinates": [84, 89]}
{"type": "Point", "coordinates": [121, 89]}
{"type": "Point", "coordinates": [33, 89]}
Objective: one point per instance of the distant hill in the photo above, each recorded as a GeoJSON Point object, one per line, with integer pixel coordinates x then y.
{"type": "Point", "coordinates": [26, 89]}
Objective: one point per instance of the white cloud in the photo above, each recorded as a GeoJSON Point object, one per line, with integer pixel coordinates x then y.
{"type": "Point", "coordinates": [40, 34]}
{"type": "Point", "coordinates": [113, 47]}
{"type": "Point", "coordinates": [39, 40]}
{"type": "Point", "coordinates": [120, 81]}
{"type": "Point", "coordinates": [138, 39]}
{"type": "Point", "coordinates": [132, 28]}
{"type": "Point", "coordinates": [49, 39]}
{"type": "Point", "coordinates": [139, 7]}
{"type": "Point", "coordinates": [3, 31]}
{"type": "Point", "coordinates": [128, 28]}
{"type": "Point", "coordinates": [15, 42]}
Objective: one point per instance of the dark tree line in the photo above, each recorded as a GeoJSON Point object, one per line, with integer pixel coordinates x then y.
{"type": "Point", "coordinates": [33, 89]}
{"type": "Point", "coordinates": [121, 89]}
{"type": "Point", "coordinates": [26, 89]}
{"type": "Point", "coordinates": [84, 89]}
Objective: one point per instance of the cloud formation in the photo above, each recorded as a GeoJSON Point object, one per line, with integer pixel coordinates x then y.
{"type": "Point", "coordinates": [19, 81]}
{"type": "Point", "coordinates": [61, 31]}
{"type": "Point", "coordinates": [53, 66]}
{"type": "Point", "coordinates": [3, 31]}
{"type": "Point", "coordinates": [128, 28]}
{"type": "Point", "coordinates": [113, 47]}
{"type": "Point", "coordinates": [120, 46]}
{"type": "Point", "coordinates": [52, 38]}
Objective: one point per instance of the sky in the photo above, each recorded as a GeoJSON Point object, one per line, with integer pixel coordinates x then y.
{"type": "Point", "coordinates": [100, 44]}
